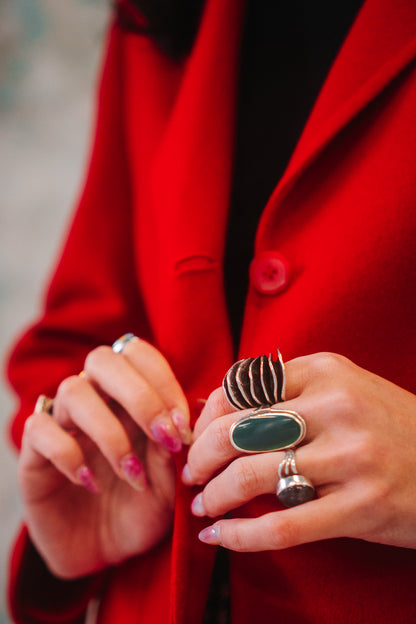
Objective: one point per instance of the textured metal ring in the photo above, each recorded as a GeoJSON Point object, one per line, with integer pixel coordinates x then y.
{"type": "Point", "coordinates": [255, 382]}
{"type": "Point", "coordinates": [121, 342]}
{"type": "Point", "coordinates": [293, 489]}
{"type": "Point", "coordinates": [43, 404]}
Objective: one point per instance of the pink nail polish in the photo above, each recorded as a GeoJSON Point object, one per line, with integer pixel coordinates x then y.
{"type": "Point", "coordinates": [182, 425]}
{"type": "Point", "coordinates": [134, 472]}
{"type": "Point", "coordinates": [197, 506]}
{"type": "Point", "coordinates": [87, 478]}
{"type": "Point", "coordinates": [166, 435]}
{"type": "Point", "coordinates": [210, 535]}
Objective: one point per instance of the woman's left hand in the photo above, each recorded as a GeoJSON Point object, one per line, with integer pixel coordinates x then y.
{"type": "Point", "coordinates": [359, 452]}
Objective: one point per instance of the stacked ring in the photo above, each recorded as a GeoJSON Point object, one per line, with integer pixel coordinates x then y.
{"type": "Point", "coordinates": [121, 342]}
{"type": "Point", "coordinates": [260, 382]}
{"type": "Point", "coordinates": [293, 489]}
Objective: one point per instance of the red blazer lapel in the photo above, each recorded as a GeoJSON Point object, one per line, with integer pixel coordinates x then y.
{"type": "Point", "coordinates": [195, 163]}
{"type": "Point", "coordinates": [380, 44]}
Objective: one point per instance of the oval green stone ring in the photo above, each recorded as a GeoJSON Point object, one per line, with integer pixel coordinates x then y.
{"type": "Point", "coordinates": [267, 429]}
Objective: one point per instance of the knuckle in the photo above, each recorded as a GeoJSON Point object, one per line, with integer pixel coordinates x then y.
{"type": "Point", "coordinates": [215, 398]}
{"type": "Point", "coordinates": [221, 436]}
{"type": "Point", "coordinates": [363, 453]}
{"type": "Point", "coordinates": [68, 388]}
{"type": "Point", "coordinates": [245, 478]}
{"type": "Point", "coordinates": [231, 537]}
{"type": "Point", "coordinates": [283, 534]}
{"type": "Point", "coordinates": [345, 402]}
{"type": "Point", "coordinates": [211, 502]}
{"type": "Point", "coordinates": [96, 356]}
{"type": "Point", "coordinates": [326, 363]}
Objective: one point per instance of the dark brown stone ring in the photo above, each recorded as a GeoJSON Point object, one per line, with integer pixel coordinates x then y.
{"type": "Point", "coordinates": [293, 489]}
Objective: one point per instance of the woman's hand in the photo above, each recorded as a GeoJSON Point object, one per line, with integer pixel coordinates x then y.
{"type": "Point", "coordinates": [359, 452]}
{"type": "Point", "coordinates": [97, 477]}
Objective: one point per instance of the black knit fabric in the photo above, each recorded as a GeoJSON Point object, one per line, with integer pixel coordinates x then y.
{"type": "Point", "coordinates": [287, 50]}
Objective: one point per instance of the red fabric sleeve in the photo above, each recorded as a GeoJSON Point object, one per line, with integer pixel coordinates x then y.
{"type": "Point", "coordinates": [92, 299]}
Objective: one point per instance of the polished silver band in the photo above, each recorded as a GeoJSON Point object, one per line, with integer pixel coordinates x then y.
{"type": "Point", "coordinates": [121, 342]}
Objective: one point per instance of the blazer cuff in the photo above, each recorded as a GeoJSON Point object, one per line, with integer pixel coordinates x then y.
{"type": "Point", "coordinates": [36, 596]}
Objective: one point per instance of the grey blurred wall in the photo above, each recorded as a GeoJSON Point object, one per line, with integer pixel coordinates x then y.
{"type": "Point", "coordinates": [49, 57]}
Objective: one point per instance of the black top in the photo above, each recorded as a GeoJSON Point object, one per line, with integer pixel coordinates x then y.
{"type": "Point", "coordinates": [287, 50]}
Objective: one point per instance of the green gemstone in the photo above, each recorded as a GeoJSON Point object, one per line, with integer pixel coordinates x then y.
{"type": "Point", "coordinates": [266, 433]}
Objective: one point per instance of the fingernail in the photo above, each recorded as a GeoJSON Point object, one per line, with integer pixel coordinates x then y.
{"type": "Point", "coordinates": [87, 478]}
{"type": "Point", "coordinates": [134, 472]}
{"type": "Point", "coordinates": [165, 433]}
{"type": "Point", "coordinates": [182, 425]}
{"type": "Point", "coordinates": [197, 506]}
{"type": "Point", "coordinates": [186, 475]}
{"type": "Point", "coordinates": [210, 535]}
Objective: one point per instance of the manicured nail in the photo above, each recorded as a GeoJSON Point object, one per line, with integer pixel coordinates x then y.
{"type": "Point", "coordinates": [165, 433]}
{"type": "Point", "coordinates": [182, 425]}
{"type": "Point", "coordinates": [197, 506]}
{"type": "Point", "coordinates": [87, 478]}
{"type": "Point", "coordinates": [210, 535]}
{"type": "Point", "coordinates": [134, 472]}
{"type": "Point", "coordinates": [186, 475]}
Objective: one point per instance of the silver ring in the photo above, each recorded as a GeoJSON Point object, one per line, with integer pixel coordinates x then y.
{"type": "Point", "coordinates": [267, 429]}
{"type": "Point", "coordinates": [293, 489]}
{"type": "Point", "coordinates": [256, 382]}
{"type": "Point", "coordinates": [121, 342]}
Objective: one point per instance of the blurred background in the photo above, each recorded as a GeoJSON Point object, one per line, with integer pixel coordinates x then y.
{"type": "Point", "coordinates": [50, 53]}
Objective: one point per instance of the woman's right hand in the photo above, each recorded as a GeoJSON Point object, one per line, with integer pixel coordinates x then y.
{"type": "Point", "coordinates": [98, 477]}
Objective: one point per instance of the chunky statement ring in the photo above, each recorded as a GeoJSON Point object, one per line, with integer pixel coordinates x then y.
{"type": "Point", "coordinates": [255, 382]}
{"type": "Point", "coordinates": [44, 404]}
{"type": "Point", "coordinates": [121, 342]}
{"type": "Point", "coordinates": [267, 429]}
{"type": "Point", "coordinates": [293, 489]}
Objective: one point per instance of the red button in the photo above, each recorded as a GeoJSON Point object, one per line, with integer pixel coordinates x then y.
{"type": "Point", "coordinates": [269, 272]}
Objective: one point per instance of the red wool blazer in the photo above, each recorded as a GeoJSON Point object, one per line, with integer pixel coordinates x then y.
{"type": "Point", "coordinates": [145, 254]}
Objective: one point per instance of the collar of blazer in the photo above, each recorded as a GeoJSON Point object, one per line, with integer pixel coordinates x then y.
{"type": "Point", "coordinates": [380, 45]}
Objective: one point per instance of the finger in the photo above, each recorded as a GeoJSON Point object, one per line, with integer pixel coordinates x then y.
{"type": "Point", "coordinates": [77, 404]}
{"type": "Point", "coordinates": [300, 374]}
{"type": "Point", "coordinates": [323, 518]}
{"type": "Point", "coordinates": [216, 405]}
{"type": "Point", "coordinates": [253, 475]}
{"type": "Point", "coordinates": [213, 448]}
{"type": "Point", "coordinates": [45, 442]}
{"type": "Point", "coordinates": [155, 369]}
{"type": "Point", "coordinates": [314, 372]}
{"type": "Point", "coordinates": [121, 381]}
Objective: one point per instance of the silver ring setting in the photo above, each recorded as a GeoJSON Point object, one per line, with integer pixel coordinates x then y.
{"type": "Point", "coordinates": [267, 429]}
{"type": "Point", "coordinates": [121, 342]}
{"type": "Point", "coordinates": [292, 488]}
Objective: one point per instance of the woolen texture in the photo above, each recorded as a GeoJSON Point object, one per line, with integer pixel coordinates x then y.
{"type": "Point", "coordinates": [145, 254]}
